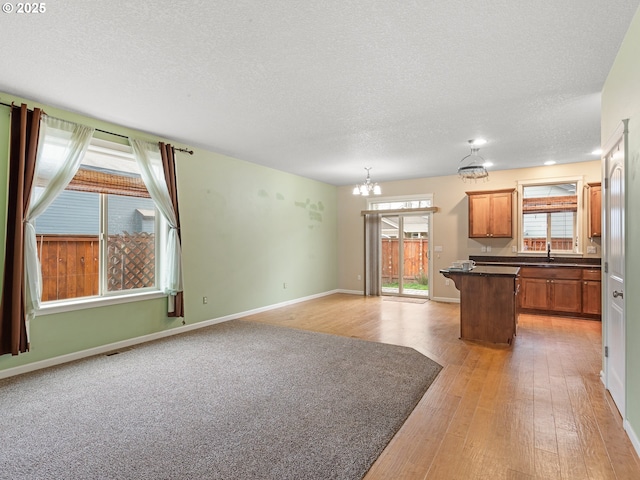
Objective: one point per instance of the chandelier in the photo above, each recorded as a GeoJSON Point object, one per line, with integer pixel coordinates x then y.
{"type": "Point", "coordinates": [472, 166]}
{"type": "Point", "coordinates": [367, 187]}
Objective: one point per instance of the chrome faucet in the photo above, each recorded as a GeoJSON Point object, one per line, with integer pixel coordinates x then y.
{"type": "Point", "coordinates": [549, 257]}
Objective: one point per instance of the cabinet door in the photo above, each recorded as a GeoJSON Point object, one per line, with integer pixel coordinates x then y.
{"type": "Point", "coordinates": [534, 293]}
{"type": "Point", "coordinates": [479, 215]}
{"type": "Point", "coordinates": [566, 296]}
{"type": "Point", "coordinates": [501, 213]}
{"type": "Point", "coordinates": [595, 213]}
{"type": "Point", "coordinates": [592, 297]}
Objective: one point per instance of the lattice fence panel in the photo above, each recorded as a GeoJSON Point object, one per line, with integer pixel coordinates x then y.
{"type": "Point", "coordinates": [131, 261]}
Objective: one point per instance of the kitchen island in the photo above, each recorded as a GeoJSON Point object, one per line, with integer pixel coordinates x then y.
{"type": "Point", "coordinates": [488, 302]}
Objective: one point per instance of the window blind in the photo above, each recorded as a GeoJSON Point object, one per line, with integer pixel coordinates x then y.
{"type": "Point", "coordinates": [564, 203]}
{"type": "Point", "coordinates": [87, 180]}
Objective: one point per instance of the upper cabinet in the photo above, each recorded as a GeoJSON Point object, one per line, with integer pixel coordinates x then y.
{"type": "Point", "coordinates": [491, 214]}
{"type": "Point", "coordinates": [595, 209]}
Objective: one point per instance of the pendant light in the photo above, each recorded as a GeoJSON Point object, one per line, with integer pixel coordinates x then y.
{"type": "Point", "coordinates": [366, 188]}
{"type": "Point", "coordinates": [472, 166]}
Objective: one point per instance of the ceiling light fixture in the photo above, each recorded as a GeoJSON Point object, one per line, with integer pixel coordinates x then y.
{"type": "Point", "coordinates": [366, 188]}
{"type": "Point", "coordinates": [472, 166]}
{"type": "Point", "coordinates": [550, 162]}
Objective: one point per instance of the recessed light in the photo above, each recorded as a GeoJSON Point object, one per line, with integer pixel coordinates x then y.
{"type": "Point", "coordinates": [597, 151]}
{"type": "Point", "coordinates": [476, 142]}
{"type": "Point", "coordinates": [550, 162]}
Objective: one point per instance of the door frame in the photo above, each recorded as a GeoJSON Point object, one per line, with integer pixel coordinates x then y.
{"type": "Point", "coordinates": [618, 137]}
{"type": "Point", "coordinates": [407, 210]}
{"type": "Point", "coordinates": [428, 216]}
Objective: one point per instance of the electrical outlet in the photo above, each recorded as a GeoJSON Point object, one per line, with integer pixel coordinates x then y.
{"type": "Point", "coordinates": [488, 248]}
{"type": "Point", "coordinates": [446, 282]}
{"type": "Point", "coordinates": [514, 248]}
{"type": "Point", "coordinates": [359, 277]}
{"type": "Point", "coordinates": [205, 300]}
{"type": "Point", "coordinates": [284, 285]}
{"type": "Point", "coordinates": [591, 249]}
{"type": "Point", "coordinates": [483, 248]}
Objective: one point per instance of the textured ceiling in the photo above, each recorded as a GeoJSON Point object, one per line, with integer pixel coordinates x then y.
{"type": "Point", "coordinates": [324, 89]}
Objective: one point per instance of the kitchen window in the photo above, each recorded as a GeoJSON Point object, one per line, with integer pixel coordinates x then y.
{"type": "Point", "coordinates": [550, 216]}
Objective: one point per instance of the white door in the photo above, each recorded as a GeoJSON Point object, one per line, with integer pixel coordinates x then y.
{"type": "Point", "coordinates": [614, 276]}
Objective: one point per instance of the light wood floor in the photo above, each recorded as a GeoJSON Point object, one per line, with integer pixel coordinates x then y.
{"type": "Point", "coordinates": [536, 410]}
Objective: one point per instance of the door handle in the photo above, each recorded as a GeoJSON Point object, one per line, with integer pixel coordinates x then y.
{"type": "Point", "coordinates": [617, 294]}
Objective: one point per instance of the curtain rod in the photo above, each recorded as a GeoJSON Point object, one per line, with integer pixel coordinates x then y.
{"type": "Point", "coordinates": [185, 150]}
{"type": "Point", "coordinates": [395, 211]}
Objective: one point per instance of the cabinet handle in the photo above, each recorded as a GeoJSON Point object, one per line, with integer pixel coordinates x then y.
{"type": "Point", "coordinates": [617, 294]}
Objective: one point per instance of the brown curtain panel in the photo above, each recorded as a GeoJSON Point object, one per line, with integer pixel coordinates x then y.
{"type": "Point", "coordinates": [169, 165]}
{"type": "Point", "coordinates": [372, 252]}
{"type": "Point", "coordinates": [23, 145]}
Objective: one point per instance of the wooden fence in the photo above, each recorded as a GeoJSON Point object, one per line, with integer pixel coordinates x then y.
{"type": "Point", "coordinates": [416, 263]}
{"type": "Point", "coordinates": [70, 264]}
{"type": "Point", "coordinates": [131, 261]}
{"type": "Point", "coordinates": [540, 244]}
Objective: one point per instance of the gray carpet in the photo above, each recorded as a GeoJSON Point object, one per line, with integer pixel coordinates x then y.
{"type": "Point", "coordinates": [238, 400]}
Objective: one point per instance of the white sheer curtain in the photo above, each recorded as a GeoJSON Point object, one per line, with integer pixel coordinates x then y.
{"type": "Point", "coordinates": [61, 147]}
{"type": "Point", "coordinates": [150, 161]}
{"type": "Point", "coordinates": [372, 252]}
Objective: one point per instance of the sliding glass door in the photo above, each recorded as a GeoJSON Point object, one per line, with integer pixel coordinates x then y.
{"type": "Point", "coordinates": [404, 257]}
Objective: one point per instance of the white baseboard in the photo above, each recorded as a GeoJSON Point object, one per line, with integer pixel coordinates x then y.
{"type": "Point", "coordinates": [351, 292]}
{"type": "Point", "coordinates": [635, 441]}
{"type": "Point", "coordinates": [70, 357]}
{"type": "Point", "coordinates": [632, 436]}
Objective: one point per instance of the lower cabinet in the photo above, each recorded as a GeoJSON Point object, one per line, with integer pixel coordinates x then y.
{"type": "Point", "coordinates": [560, 290]}
{"type": "Point", "coordinates": [534, 293]}
{"type": "Point", "coordinates": [591, 292]}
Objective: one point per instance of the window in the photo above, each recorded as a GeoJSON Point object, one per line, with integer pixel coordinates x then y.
{"type": "Point", "coordinates": [549, 216]}
{"type": "Point", "coordinates": [407, 201]}
{"type": "Point", "coordinates": [98, 237]}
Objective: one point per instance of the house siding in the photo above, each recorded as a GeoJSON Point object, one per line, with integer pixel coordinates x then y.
{"type": "Point", "coordinates": [77, 213]}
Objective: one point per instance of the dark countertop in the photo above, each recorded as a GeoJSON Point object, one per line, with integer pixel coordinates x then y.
{"type": "Point", "coordinates": [497, 270]}
{"type": "Point", "coordinates": [566, 262]}
{"type": "Point", "coordinates": [544, 265]}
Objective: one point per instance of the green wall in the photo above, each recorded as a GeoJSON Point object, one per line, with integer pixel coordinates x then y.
{"type": "Point", "coordinates": [246, 231]}
{"type": "Point", "coordinates": [620, 100]}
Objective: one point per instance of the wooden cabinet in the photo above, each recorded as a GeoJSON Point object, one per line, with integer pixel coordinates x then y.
{"type": "Point", "coordinates": [572, 291]}
{"type": "Point", "coordinates": [488, 296]}
{"type": "Point", "coordinates": [535, 293]}
{"type": "Point", "coordinates": [595, 209]}
{"type": "Point", "coordinates": [491, 214]}
{"type": "Point", "coordinates": [566, 296]}
{"type": "Point", "coordinates": [556, 289]}
{"type": "Point", "coordinates": [591, 292]}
